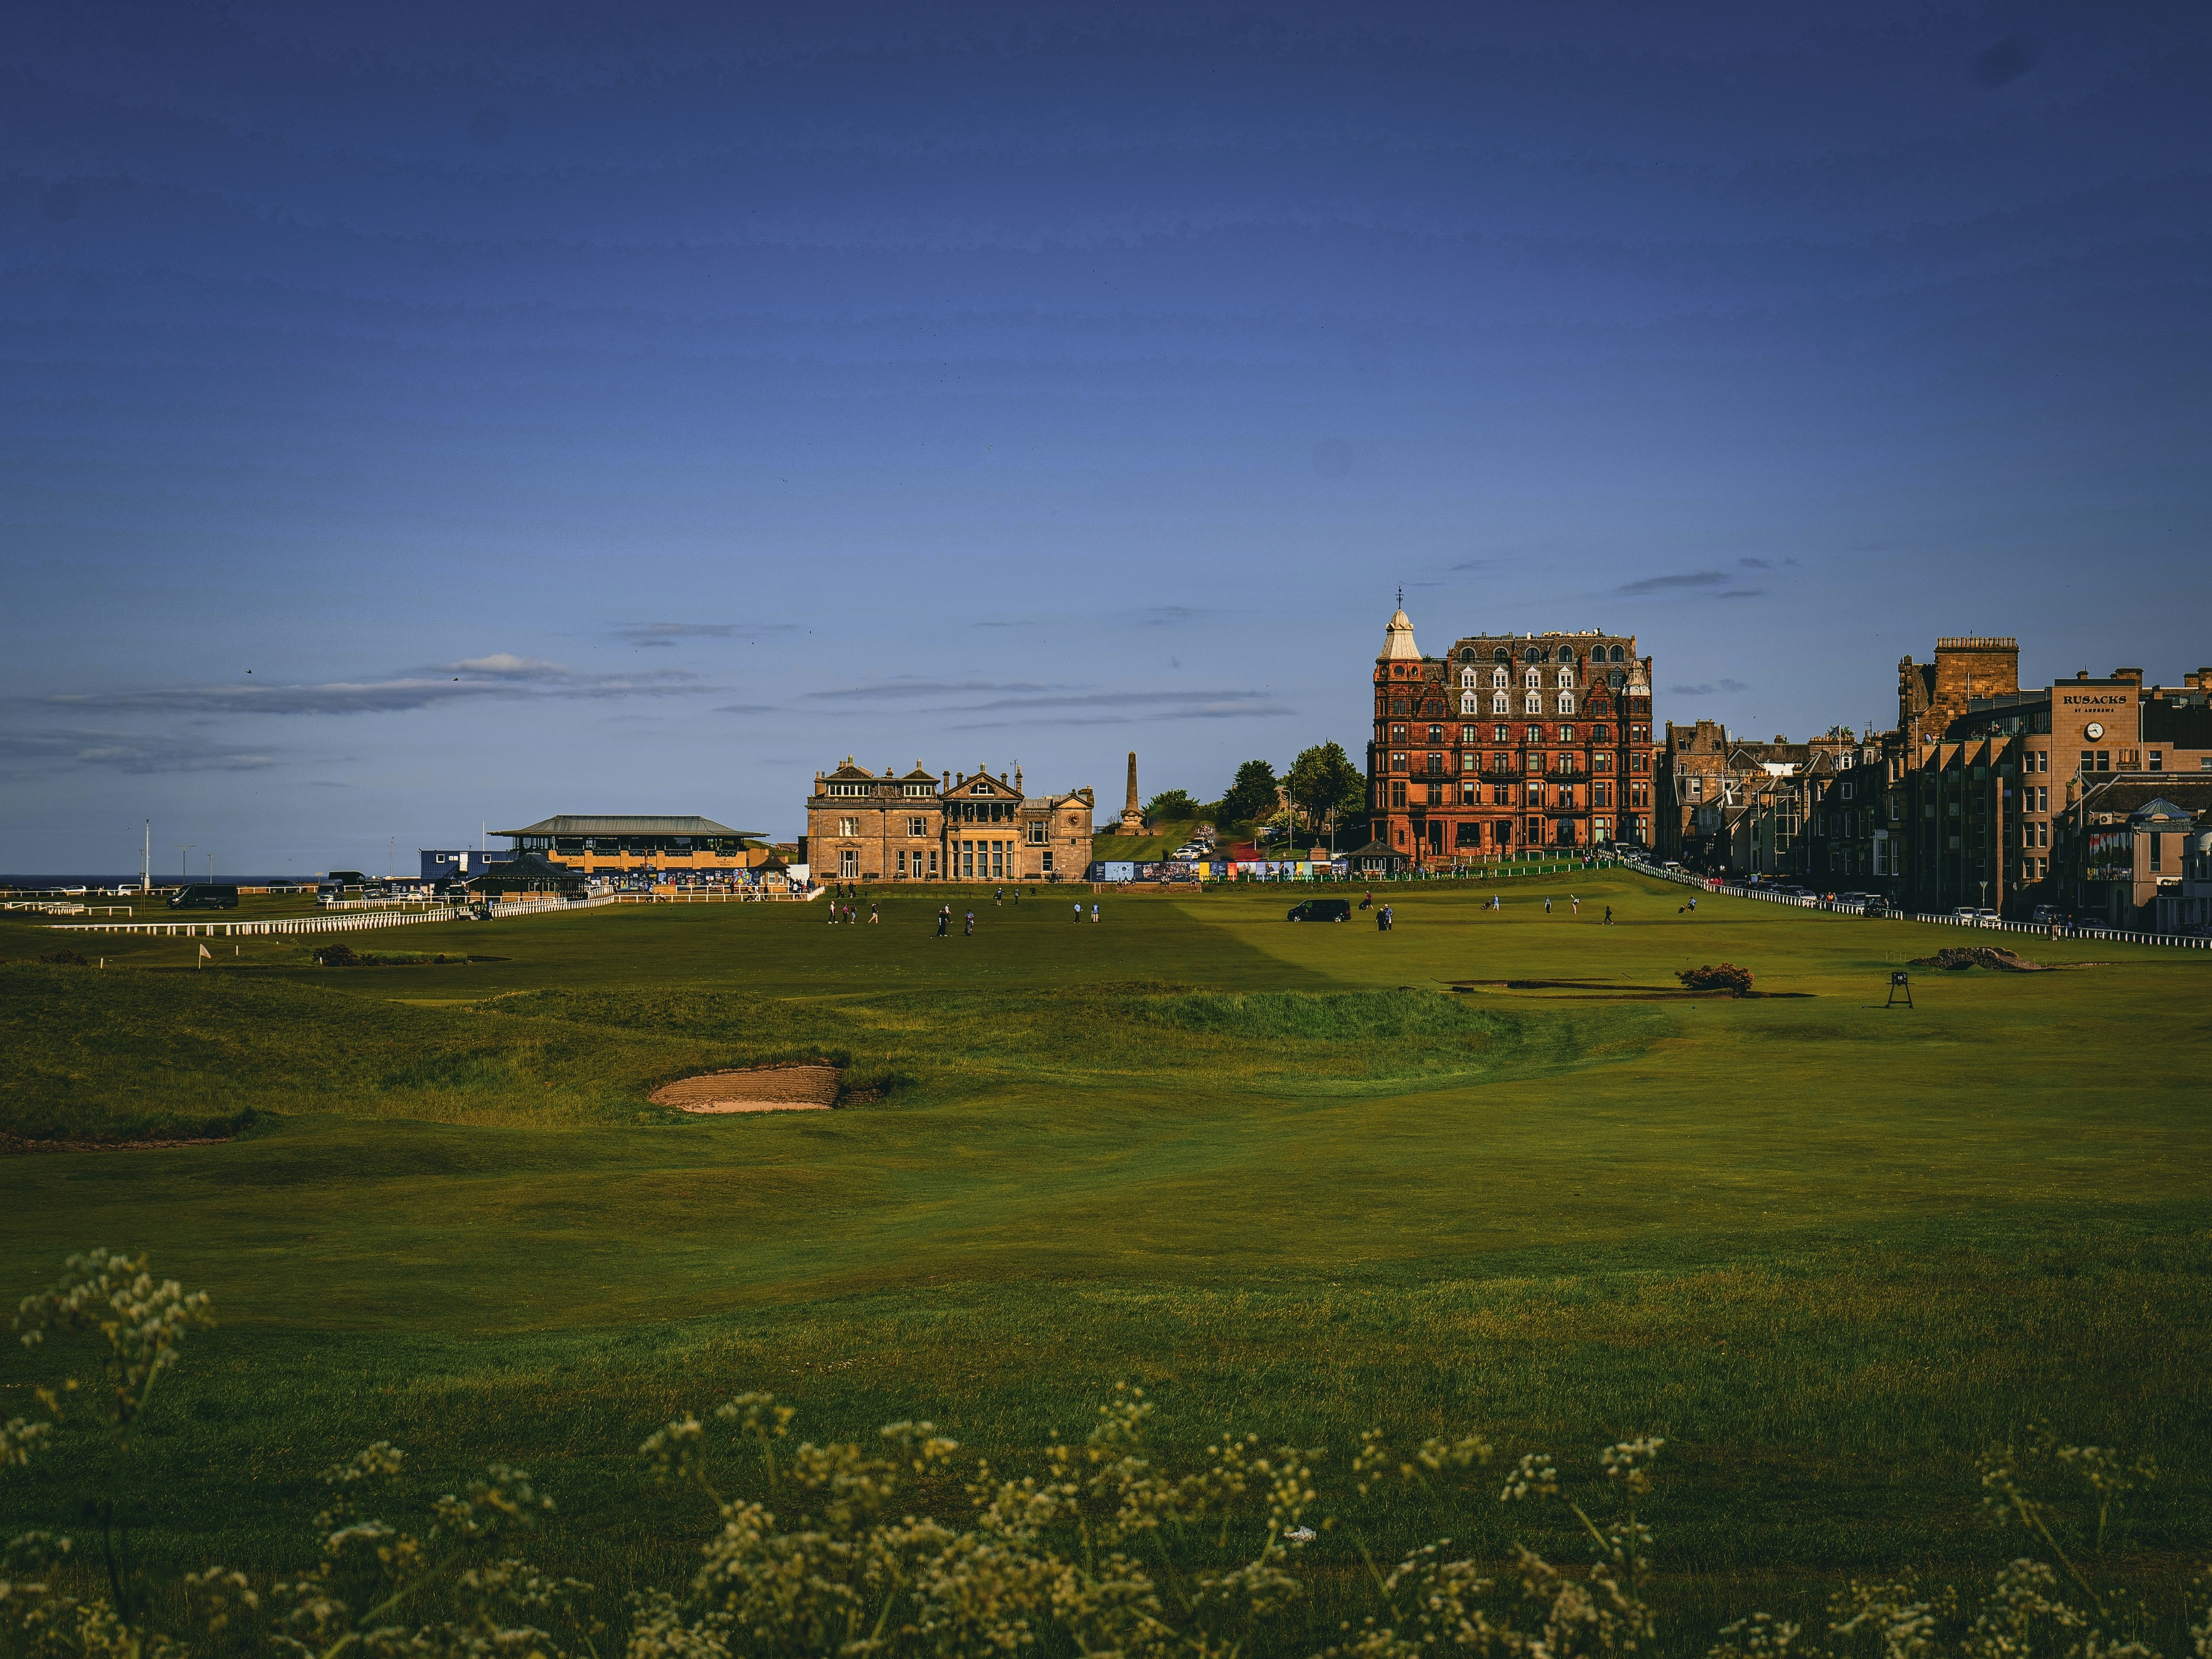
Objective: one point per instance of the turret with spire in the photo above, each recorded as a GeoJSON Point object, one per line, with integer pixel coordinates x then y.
{"type": "Point", "coordinates": [1398, 638]}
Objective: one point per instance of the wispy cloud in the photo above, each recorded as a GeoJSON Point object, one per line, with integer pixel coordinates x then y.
{"type": "Point", "coordinates": [1125, 708]}
{"type": "Point", "coordinates": [667, 632]}
{"type": "Point", "coordinates": [1223, 701]}
{"type": "Point", "coordinates": [1035, 704]}
{"type": "Point", "coordinates": [1690, 581]}
{"type": "Point", "coordinates": [746, 709]}
{"type": "Point", "coordinates": [74, 749]}
{"type": "Point", "coordinates": [507, 665]}
{"type": "Point", "coordinates": [1166, 616]}
{"type": "Point", "coordinates": [501, 675]}
{"type": "Point", "coordinates": [911, 686]}
{"type": "Point", "coordinates": [1707, 690]}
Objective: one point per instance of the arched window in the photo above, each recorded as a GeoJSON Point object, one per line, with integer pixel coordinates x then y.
{"type": "Point", "coordinates": [1566, 703]}
{"type": "Point", "coordinates": [1501, 655]}
{"type": "Point", "coordinates": [1467, 654]}
{"type": "Point", "coordinates": [1498, 702]}
{"type": "Point", "coordinates": [1566, 676]}
{"type": "Point", "coordinates": [1535, 702]}
{"type": "Point", "coordinates": [1469, 703]}
{"type": "Point", "coordinates": [1617, 657]}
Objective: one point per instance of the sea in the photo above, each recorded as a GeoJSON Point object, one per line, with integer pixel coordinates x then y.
{"type": "Point", "coordinates": [130, 879]}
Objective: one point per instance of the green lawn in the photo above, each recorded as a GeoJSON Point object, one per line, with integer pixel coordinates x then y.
{"type": "Point", "coordinates": [1285, 1174]}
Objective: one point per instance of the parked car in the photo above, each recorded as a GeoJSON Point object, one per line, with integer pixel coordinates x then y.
{"type": "Point", "coordinates": [1986, 917]}
{"type": "Point", "coordinates": [1322, 910]}
{"type": "Point", "coordinates": [202, 897]}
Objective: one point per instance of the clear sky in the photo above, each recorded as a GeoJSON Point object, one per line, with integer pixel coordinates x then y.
{"type": "Point", "coordinates": [413, 416]}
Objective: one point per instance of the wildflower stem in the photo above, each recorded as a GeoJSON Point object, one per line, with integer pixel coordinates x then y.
{"type": "Point", "coordinates": [1589, 1526]}
{"type": "Point", "coordinates": [1382, 1585]}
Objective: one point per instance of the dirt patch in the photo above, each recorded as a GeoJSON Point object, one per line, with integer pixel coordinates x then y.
{"type": "Point", "coordinates": [1600, 991]}
{"type": "Point", "coordinates": [15, 1145]}
{"type": "Point", "coordinates": [756, 1089]}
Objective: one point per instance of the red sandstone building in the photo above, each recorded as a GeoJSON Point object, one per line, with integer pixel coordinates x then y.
{"type": "Point", "coordinates": [1510, 741]}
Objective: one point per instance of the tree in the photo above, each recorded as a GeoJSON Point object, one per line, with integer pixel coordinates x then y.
{"type": "Point", "coordinates": [1322, 781]}
{"type": "Point", "coordinates": [1253, 794]}
{"type": "Point", "coordinates": [1172, 804]}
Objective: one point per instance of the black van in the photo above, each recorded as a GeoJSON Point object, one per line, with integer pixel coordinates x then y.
{"type": "Point", "coordinates": [201, 897]}
{"type": "Point", "coordinates": [1322, 910]}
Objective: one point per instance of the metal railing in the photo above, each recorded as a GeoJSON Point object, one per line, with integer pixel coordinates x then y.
{"type": "Point", "coordinates": [1941, 919]}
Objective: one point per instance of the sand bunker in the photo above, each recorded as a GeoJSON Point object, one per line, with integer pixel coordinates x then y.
{"type": "Point", "coordinates": [1956, 957]}
{"type": "Point", "coordinates": [758, 1088]}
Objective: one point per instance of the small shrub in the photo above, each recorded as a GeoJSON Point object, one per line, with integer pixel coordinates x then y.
{"type": "Point", "coordinates": [336, 956]}
{"type": "Point", "coordinates": [1722, 977]}
{"type": "Point", "coordinates": [65, 959]}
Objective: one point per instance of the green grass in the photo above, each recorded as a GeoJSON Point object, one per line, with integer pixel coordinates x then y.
{"type": "Point", "coordinates": [1281, 1174]}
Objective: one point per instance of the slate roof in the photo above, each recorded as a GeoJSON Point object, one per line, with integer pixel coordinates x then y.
{"type": "Point", "coordinates": [2126, 794]}
{"type": "Point", "coordinates": [570, 823]}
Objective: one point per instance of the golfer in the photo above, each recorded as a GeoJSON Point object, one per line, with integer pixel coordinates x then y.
{"type": "Point", "coordinates": [944, 921]}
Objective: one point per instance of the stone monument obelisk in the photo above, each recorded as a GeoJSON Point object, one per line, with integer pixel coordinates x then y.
{"type": "Point", "coordinates": [1133, 816]}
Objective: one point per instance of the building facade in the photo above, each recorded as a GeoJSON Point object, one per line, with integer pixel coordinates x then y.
{"type": "Point", "coordinates": [1981, 796]}
{"type": "Point", "coordinates": [1508, 743]}
{"type": "Point", "coordinates": [921, 826]}
{"type": "Point", "coordinates": [590, 844]}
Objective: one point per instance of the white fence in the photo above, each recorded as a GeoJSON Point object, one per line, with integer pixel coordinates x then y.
{"type": "Point", "coordinates": [2066, 930]}
{"type": "Point", "coordinates": [349, 924]}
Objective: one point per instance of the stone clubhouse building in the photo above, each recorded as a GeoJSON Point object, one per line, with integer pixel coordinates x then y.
{"type": "Point", "coordinates": [925, 826]}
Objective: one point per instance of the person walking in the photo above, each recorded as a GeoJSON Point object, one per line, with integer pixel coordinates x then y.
{"type": "Point", "coordinates": [971, 923]}
{"type": "Point", "coordinates": [872, 913]}
{"type": "Point", "coordinates": [944, 921]}
{"type": "Point", "coordinates": [1079, 910]}
{"type": "Point", "coordinates": [1094, 912]}
{"type": "Point", "coordinates": [1608, 915]}
{"type": "Point", "coordinates": [1547, 904]}
{"type": "Point", "coordinates": [999, 898]}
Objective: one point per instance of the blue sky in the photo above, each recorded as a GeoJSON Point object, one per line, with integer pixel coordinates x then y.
{"type": "Point", "coordinates": [417, 416]}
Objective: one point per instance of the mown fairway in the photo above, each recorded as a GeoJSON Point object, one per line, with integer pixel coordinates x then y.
{"type": "Point", "coordinates": [1283, 1175]}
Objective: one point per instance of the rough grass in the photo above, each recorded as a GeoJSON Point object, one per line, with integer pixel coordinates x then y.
{"type": "Point", "coordinates": [1827, 1249]}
